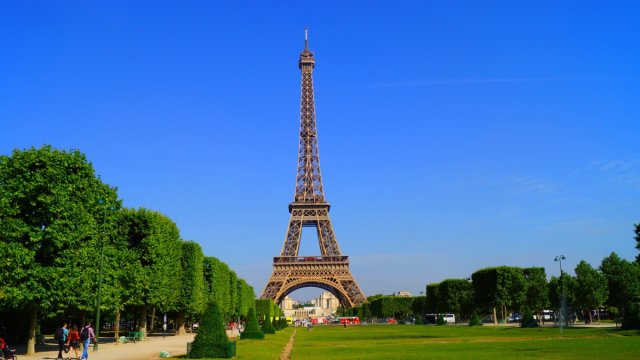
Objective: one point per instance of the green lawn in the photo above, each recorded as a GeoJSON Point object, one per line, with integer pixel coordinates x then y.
{"type": "Point", "coordinates": [269, 348]}
{"type": "Point", "coordinates": [390, 342]}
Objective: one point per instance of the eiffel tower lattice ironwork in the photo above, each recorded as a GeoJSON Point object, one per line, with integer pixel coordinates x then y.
{"type": "Point", "coordinates": [330, 270]}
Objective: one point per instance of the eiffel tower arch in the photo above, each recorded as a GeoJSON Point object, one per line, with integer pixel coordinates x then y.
{"type": "Point", "coordinates": [330, 270]}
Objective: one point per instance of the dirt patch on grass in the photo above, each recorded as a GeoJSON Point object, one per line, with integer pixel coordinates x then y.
{"type": "Point", "coordinates": [286, 353]}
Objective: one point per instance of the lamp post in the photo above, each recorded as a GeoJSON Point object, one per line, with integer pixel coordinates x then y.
{"type": "Point", "coordinates": [563, 298]}
{"type": "Point", "coordinates": [104, 220]}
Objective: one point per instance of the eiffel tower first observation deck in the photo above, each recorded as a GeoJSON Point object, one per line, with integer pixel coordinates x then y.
{"type": "Point", "coordinates": [329, 271]}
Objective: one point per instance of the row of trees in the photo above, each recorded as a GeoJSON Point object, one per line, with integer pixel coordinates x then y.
{"type": "Point", "coordinates": [60, 225]}
{"type": "Point", "coordinates": [381, 306]}
{"type": "Point", "coordinates": [501, 290]}
{"type": "Point", "coordinates": [266, 309]}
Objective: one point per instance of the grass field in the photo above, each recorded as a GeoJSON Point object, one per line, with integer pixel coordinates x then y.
{"type": "Point", "coordinates": [446, 342]}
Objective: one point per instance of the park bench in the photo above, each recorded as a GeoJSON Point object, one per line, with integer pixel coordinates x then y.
{"type": "Point", "coordinates": [133, 336]}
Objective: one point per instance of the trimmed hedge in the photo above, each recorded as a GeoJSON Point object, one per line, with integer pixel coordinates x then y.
{"type": "Point", "coordinates": [211, 340]}
{"type": "Point", "coordinates": [252, 330]}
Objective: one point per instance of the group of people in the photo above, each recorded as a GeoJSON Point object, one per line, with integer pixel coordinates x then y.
{"type": "Point", "coordinates": [6, 351]}
{"type": "Point", "coordinates": [70, 339]}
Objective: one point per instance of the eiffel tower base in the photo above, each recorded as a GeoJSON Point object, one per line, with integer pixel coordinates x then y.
{"type": "Point", "coordinates": [330, 273]}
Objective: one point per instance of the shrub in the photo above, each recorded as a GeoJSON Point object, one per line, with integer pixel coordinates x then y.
{"type": "Point", "coordinates": [252, 329]}
{"type": "Point", "coordinates": [440, 320]}
{"type": "Point", "coordinates": [419, 320]}
{"type": "Point", "coordinates": [274, 323]}
{"type": "Point", "coordinates": [475, 320]}
{"type": "Point", "coordinates": [211, 340]}
{"type": "Point", "coordinates": [267, 326]}
{"type": "Point", "coordinates": [283, 323]}
{"type": "Point", "coordinates": [527, 320]}
{"type": "Point", "coordinates": [631, 318]}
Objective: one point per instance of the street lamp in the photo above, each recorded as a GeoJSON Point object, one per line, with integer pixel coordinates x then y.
{"type": "Point", "coordinates": [104, 220]}
{"type": "Point", "coordinates": [563, 299]}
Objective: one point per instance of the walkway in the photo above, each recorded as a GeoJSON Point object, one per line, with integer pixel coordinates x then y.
{"type": "Point", "coordinates": [148, 349]}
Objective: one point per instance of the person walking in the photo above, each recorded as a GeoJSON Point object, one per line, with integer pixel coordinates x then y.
{"type": "Point", "coordinates": [61, 338]}
{"type": "Point", "coordinates": [85, 336]}
{"type": "Point", "coordinates": [73, 342]}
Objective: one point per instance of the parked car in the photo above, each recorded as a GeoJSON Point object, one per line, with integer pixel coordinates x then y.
{"type": "Point", "coordinates": [515, 317]}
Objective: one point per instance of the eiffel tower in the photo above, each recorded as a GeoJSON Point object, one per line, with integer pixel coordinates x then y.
{"type": "Point", "coordinates": [330, 270]}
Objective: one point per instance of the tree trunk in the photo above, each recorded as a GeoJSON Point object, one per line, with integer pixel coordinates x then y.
{"type": "Point", "coordinates": [143, 321]}
{"type": "Point", "coordinates": [116, 333]}
{"type": "Point", "coordinates": [153, 319]}
{"type": "Point", "coordinates": [180, 323]}
{"type": "Point", "coordinates": [590, 316]}
{"type": "Point", "coordinates": [495, 317]}
{"type": "Point", "coordinates": [33, 318]}
{"type": "Point", "coordinates": [83, 318]}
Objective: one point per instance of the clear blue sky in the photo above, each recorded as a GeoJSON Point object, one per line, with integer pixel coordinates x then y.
{"type": "Point", "coordinates": [454, 135]}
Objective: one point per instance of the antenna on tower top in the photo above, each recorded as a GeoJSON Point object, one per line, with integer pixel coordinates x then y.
{"type": "Point", "coordinates": [306, 39]}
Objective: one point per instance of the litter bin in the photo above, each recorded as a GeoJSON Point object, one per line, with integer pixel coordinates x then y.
{"type": "Point", "coordinates": [231, 349]}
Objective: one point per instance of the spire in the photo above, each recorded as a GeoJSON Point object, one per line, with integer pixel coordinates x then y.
{"type": "Point", "coordinates": [306, 39]}
{"type": "Point", "coordinates": [306, 62]}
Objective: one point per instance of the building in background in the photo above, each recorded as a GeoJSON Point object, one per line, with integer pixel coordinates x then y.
{"type": "Point", "coordinates": [324, 305]}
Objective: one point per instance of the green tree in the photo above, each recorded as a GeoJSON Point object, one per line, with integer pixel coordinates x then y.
{"type": "Point", "coordinates": [591, 288]}
{"type": "Point", "coordinates": [216, 275]}
{"type": "Point", "coordinates": [418, 306]}
{"type": "Point", "coordinates": [432, 298]}
{"type": "Point", "coordinates": [154, 281]}
{"type": "Point", "coordinates": [555, 291]}
{"type": "Point", "coordinates": [246, 298]}
{"type": "Point", "coordinates": [537, 293]}
{"type": "Point", "coordinates": [49, 216]}
{"type": "Point", "coordinates": [211, 340]}
{"type": "Point", "coordinates": [392, 306]}
{"type": "Point", "coordinates": [623, 281]}
{"type": "Point", "coordinates": [264, 307]}
{"type": "Point", "coordinates": [192, 293]}
{"type": "Point", "coordinates": [501, 287]}
{"type": "Point", "coordinates": [637, 237]}
{"type": "Point", "coordinates": [233, 296]}
{"type": "Point", "coordinates": [456, 296]}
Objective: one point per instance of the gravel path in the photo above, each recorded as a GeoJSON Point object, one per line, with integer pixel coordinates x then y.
{"type": "Point", "coordinates": [148, 349]}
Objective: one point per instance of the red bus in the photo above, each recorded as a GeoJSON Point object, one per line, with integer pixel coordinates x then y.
{"type": "Point", "coordinates": [349, 320]}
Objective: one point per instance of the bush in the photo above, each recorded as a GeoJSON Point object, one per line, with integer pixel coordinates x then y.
{"type": "Point", "coordinates": [440, 320]}
{"type": "Point", "coordinates": [527, 320]}
{"type": "Point", "coordinates": [267, 326]}
{"type": "Point", "coordinates": [283, 323]}
{"type": "Point", "coordinates": [252, 329]}
{"type": "Point", "coordinates": [419, 320]}
{"type": "Point", "coordinates": [631, 318]}
{"type": "Point", "coordinates": [475, 320]}
{"type": "Point", "coordinates": [211, 340]}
